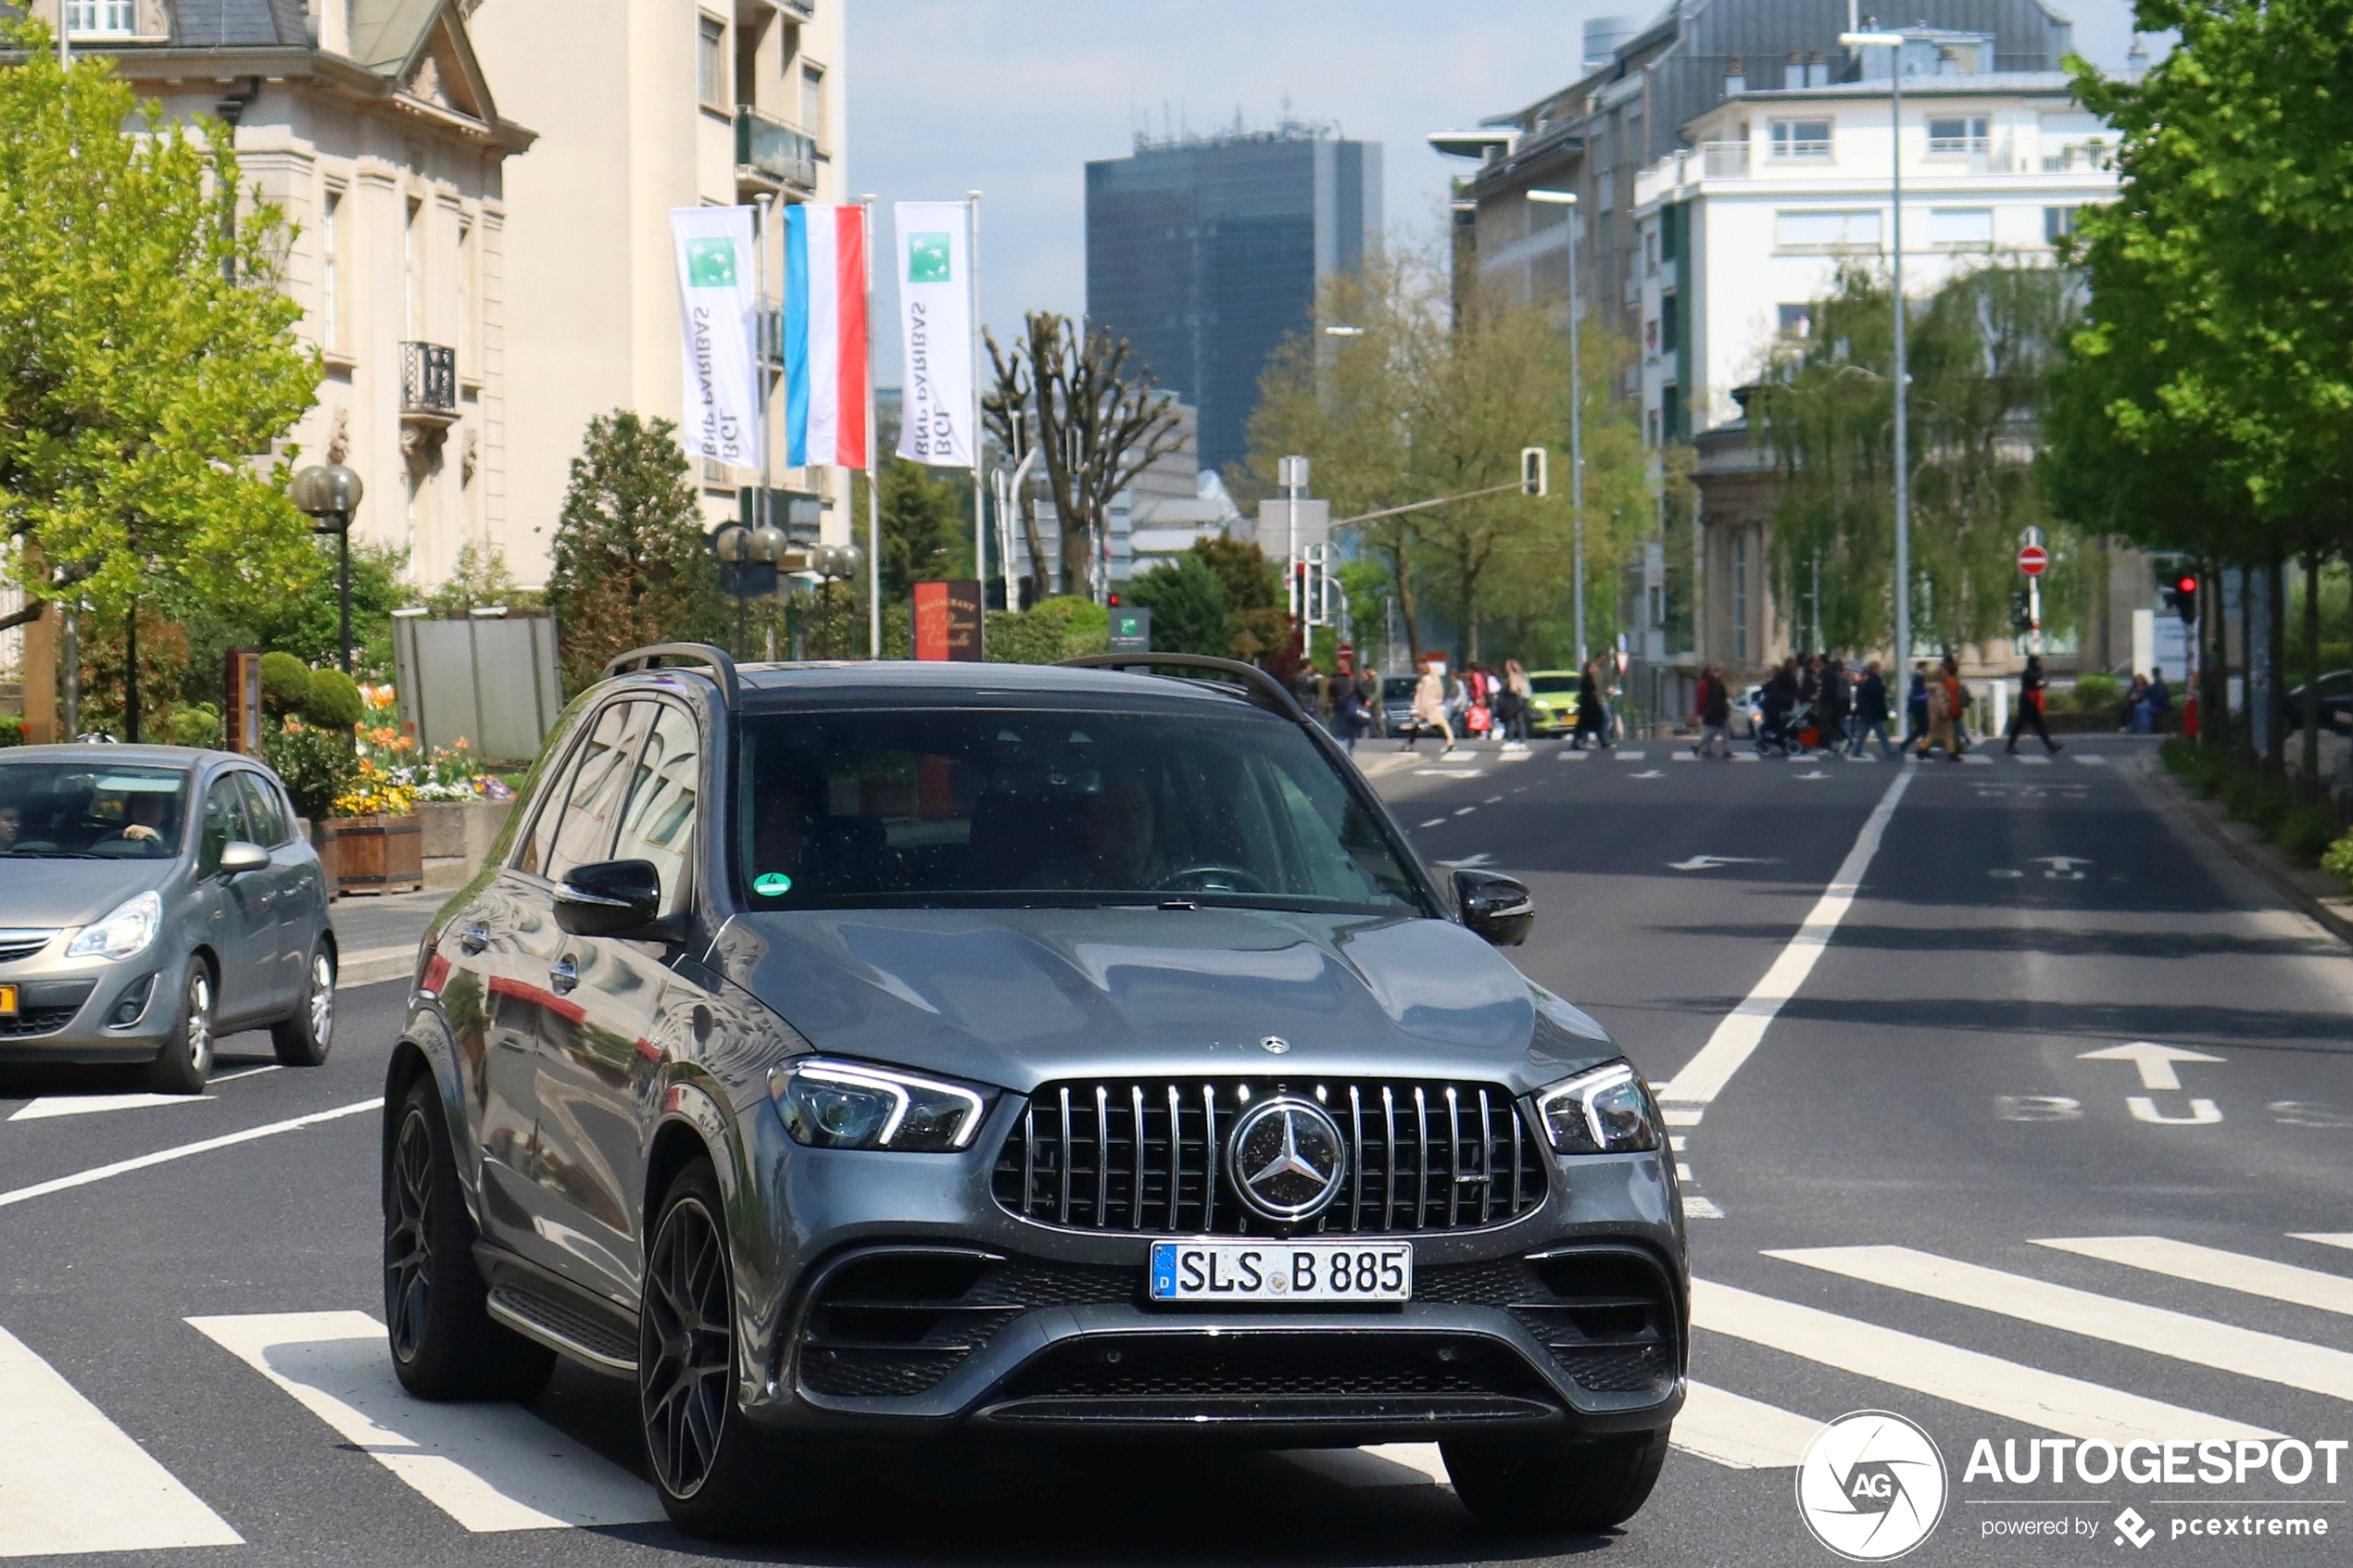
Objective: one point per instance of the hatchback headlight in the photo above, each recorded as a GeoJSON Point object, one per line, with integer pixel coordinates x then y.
{"type": "Point", "coordinates": [1607, 1110]}
{"type": "Point", "coordinates": [852, 1105]}
{"type": "Point", "coordinates": [125, 933]}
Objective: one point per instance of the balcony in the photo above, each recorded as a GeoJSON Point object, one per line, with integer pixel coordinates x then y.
{"type": "Point", "coordinates": [1724, 160]}
{"type": "Point", "coordinates": [428, 382]}
{"type": "Point", "coordinates": [770, 151]}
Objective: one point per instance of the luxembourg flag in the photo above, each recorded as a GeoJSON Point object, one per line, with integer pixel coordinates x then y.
{"type": "Point", "coordinates": [825, 326]}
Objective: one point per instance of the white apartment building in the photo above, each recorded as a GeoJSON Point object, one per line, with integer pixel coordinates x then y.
{"type": "Point", "coordinates": [643, 106]}
{"type": "Point", "coordinates": [371, 123]}
{"type": "Point", "coordinates": [1740, 231]}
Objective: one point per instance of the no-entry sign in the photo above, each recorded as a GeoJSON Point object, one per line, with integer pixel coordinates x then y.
{"type": "Point", "coordinates": [2032, 559]}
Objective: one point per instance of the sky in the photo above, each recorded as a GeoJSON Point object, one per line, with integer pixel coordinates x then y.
{"type": "Point", "coordinates": [1012, 97]}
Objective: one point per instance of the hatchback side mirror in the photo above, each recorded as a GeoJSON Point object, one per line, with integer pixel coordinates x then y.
{"type": "Point", "coordinates": [1496, 906]}
{"type": "Point", "coordinates": [609, 898]}
{"type": "Point", "coordinates": [237, 857]}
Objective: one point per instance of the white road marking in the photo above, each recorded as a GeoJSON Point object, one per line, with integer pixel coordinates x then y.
{"type": "Point", "coordinates": [1494, 799]}
{"type": "Point", "coordinates": [489, 1466]}
{"type": "Point", "coordinates": [1632, 755]}
{"type": "Point", "coordinates": [1740, 1433]}
{"type": "Point", "coordinates": [2211, 1265]}
{"type": "Point", "coordinates": [72, 1481]}
{"type": "Point", "coordinates": [1683, 1173]}
{"type": "Point", "coordinates": [1698, 1208]}
{"type": "Point", "coordinates": [49, 1106]}
{"type": "Point", "coordinates": [1647, 773]}
{"type": "Point", "coordinates": [1471, 862]}
{"type": "Point", "coordinates": [1565, 755]}
{"type": "Point", "coordinates": [1977, 759]}
{"type": "Point", "coordinates": [1684, 757]}
{"type": "Point", "coordinates": [1678, 1142]}
{"type": "Point", "coordinates": [1746, 756]}
{"type": "Point", "coordinates": [2091, 761]}
{"type": "Point", "coordinates": [1682, 1115]}
{"type": "Point", "coordinates": [1861, 757]}
{"type": "Point", "coordinates": [2326, 1238]}
{"type": "Point", "coordinates": [163, 1156]}
{"type": "Point", "coordinates": [2204, 1112]}
{"type": "Point", "coordinates": [1447, 773]}
{"type": "Point", "coordinates": [2155, 1061]}
{"type": "Point", "coordinates": [2027, 761]}
{"type": "Point", "coordinates": [1740, 1032]}
{"type": "Point", "coordinates": [1434, 821]}
{"type": "Point", "coordinates": [1816, 773]}
{"type": "Point", "coordinates": [2269, 1358]}
{"type": "Point", "coordinates": [1466, 811]}
{"type": "Point", "coordinates": [2024, 1394]}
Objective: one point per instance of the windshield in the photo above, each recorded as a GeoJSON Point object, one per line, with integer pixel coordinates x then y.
{"type": "Point", "coordinates": [914, 806]}
{"type": "Point", "coordinates": [1398, 688]}
{"type": "Point", "coordinates": [1547, 685]}
{"type": "Point", "coordinates": [74, 809]}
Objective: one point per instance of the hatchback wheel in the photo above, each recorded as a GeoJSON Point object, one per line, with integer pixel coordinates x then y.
{"type": "Point", "coordinates": [1579, 1486]}
{"type": "Point", "coordinates": [444, 1343]}
{"type": "Point", "coordinates": [304, 1038]}
{"type": "Point", "coordinates": [185, 1060]}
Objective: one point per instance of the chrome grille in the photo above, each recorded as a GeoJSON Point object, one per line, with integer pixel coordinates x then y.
{"type": "Point", "coordinates": [22, 943]}
{"type": "Point", "coordinates": [1145, 1155]}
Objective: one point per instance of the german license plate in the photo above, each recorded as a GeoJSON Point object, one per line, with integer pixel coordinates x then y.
{"type": "Point", "coordinates": [7, 1002]}
{"type": "Point", "coordinates": [1281, 1270]}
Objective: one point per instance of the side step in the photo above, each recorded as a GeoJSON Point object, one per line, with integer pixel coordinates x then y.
{"type": "Point", "coordinates": [564, 1328]}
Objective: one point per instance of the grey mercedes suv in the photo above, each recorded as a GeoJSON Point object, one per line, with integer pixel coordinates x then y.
{"type": "Point", "coordinates": [860, 1053]}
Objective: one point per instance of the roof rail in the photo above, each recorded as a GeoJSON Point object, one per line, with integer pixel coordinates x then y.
{"type": "Point", "coordinates": [1260, 687]}
{"type": "Point", "coordinates": [715, 659]}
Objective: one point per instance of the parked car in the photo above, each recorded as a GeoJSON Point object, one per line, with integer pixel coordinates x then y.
{"type": "Point", "coordinates": [879, 1052]}
{"type": "Point", "coordinates": [1551, 710]}
{"type": "Point", "coordinates": [1397, 705]}
{"type": "Point", "coordinates": [2335, 703]}
{"type": "Point", "coordinates": [157, 898]}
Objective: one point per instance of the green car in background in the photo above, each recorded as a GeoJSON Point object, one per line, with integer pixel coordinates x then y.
{"type": "Point", "coordinates": [1551, 710]}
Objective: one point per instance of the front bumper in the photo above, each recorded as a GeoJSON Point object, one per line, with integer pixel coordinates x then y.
{"type": "Point", "coordinates": [87, 1011]}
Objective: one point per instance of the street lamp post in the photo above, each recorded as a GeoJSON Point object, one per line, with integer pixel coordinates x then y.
{"type": "Point", "coordinates": [329, 494]}
{"type": "Point", "coordinates": [1894, 43]}
{"type": "Point", "coordinates": [1576, 417]}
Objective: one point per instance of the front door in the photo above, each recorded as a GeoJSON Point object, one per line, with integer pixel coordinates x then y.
{"type": "Point", "coordinates": [287, 887]}
{"type": "Point", "coordinates": [242, 925]}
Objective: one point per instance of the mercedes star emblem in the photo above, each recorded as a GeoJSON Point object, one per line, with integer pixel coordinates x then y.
{"type": "Point", "coordinates": [1288, 1157]}
{"type": "Point", "coordinates": [1274, 1045]}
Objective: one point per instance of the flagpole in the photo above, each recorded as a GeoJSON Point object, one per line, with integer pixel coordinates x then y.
{"type": "Point", "coordinates": [980, 514]}
{"type": "Point", "coordinates": [766, 209]}
{"type": "Point", "coordinates": [874, 457]}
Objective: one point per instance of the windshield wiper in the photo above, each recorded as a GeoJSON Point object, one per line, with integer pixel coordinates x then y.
{"type": "Point", "coordinates": [53, 855]}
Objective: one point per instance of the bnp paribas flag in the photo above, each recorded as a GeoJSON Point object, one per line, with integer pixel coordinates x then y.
{"type": "Point", "coordinates": [719, 326]}
{"type": "Point", "coordinates": [935, 326]}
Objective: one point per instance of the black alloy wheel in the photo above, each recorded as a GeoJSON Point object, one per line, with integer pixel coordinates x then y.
{"type": "Point", "coordinates": [687, 1354]}
{"type": "Point", "coordinates": [444, 1343]}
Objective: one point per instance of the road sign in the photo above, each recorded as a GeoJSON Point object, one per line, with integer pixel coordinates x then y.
{"type": "Point", "coordinates": [1131, 629]}
{"type": "Point", "coordinates": [2032, 559]}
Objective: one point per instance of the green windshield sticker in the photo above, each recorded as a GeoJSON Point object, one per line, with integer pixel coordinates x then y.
{"type": "Point", "coordinates": [769, 883]}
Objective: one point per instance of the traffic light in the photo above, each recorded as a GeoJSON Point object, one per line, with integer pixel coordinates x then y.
{"type": "Point", "coordinates": [1532, 475]}
{"type": "Point", "coordinates": [2181, 595]}
{"type": "Point", "coordinates": [1114, 601]}
{"type": "Point", "coordinates": [2021, 610]}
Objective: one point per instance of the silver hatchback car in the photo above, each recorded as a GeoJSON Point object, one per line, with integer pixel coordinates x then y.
{"type": "Point", "coordinates": [153, 898]}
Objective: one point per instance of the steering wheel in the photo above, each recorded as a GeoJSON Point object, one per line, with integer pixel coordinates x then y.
{"type": "Point", "coordinates": [1210, 878]}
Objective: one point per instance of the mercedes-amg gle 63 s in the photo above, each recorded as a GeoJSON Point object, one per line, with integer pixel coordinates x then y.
{"type": "Point", "coordinates": [875, 1053]}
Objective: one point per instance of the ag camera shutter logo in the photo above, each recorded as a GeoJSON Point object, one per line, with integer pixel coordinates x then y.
{"type": "Point", "coordinates": [1872, 1485]}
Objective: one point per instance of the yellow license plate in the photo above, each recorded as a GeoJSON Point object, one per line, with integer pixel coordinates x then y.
{"type": "Point", "coordinates": [7, 1002]}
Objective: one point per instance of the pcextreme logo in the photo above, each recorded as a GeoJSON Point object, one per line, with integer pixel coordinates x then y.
{"type": "Point", "coordinates": [1871, 1486]}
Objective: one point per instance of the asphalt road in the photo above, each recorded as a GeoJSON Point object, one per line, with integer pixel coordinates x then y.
{"type": "Point", "coordinates": [1888, 1121]}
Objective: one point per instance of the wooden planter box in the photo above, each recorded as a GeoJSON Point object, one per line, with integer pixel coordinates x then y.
{"type": "Point", "coordinates": [372, 854]}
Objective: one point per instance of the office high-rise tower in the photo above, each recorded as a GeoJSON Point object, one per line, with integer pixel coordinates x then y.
{"type": "Point", "coordinates": [1204, 251]}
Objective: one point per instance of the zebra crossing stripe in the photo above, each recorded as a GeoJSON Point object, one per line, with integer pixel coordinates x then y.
{"type": "Point", "coordinates": [2339, 1238]}
{"type": "Point", "coordinates": [2027, 1395]}
{"type": "Point", "coordinates": [489, 1466]}
{"type": "Point", "coordinates": [2269, 1358]}
{"type": "Point", "coordinates": [72, 1481]}
{"type": "Point", "coordinates": [2211, 1265]}
{"type": "Point", "coordinates": [1740, 1433]}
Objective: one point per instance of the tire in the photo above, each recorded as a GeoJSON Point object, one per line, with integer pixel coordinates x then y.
{"type": "Point", "coordinates": [304, 1038]}
{"type": "Point", "coordinates": [444, 1343]}
{"type": "Point", "coordinates": [719, 1477]}
{"type": "Point", "coordinates": [1581, 1486]}
{"type": "Point", "coordinates": [185, 1062]}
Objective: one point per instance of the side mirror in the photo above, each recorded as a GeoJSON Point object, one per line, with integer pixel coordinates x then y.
{"type": "Point", "coordinates": [609, 898]}
{"type": "Point", "coordinates": [1496, 906]}
{"type": "Point", "coordinates": [237, 857]}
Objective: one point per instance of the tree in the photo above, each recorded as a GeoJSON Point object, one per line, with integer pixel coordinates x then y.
{"type": "Point", "coordinates": [1188, 600]}
{"type": "Point", "coordinates": [923, 528]}
{"type": "Point", "coordinates": [1257, 620]}
{"type": "Point", "coordinates": [630, 564]}
{"type": "Point", "coordinates": [147, 355]}
{"type": "Point", "coordinates": [480, 580]}
{"type": "Point", "coordinates": [1097, 424]}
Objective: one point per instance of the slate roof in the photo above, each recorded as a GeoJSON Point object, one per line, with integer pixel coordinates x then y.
{"type": "Point", "coordinates": [208, 25]}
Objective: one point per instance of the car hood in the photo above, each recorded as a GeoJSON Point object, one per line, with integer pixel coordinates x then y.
{"type": "Point", "coordinates": [42, 895]}
{"type": "Point", "coordinates": [1018, 997]}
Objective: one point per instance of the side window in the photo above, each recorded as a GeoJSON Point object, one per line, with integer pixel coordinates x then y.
{"type": "Point", "coordinates": [592, 801]}
{"type": "Point", "coordinates": [658, 823]}
{"type": "Point", "coordinates": [265, 814]}
{"type": "Point", "coordinates": [224, 820]}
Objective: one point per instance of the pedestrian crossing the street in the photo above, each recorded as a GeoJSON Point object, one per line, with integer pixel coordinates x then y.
{"type": "Point", "coordinates": [73, 1482]}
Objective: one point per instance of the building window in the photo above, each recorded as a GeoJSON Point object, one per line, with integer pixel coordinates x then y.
{"type": "Point", "coordinates": [1739, 594]}
{"type": "Point", "coordinates": [1797, 322]}
{"type": "Point", "coordinates": [100, 19]}
{"type": "Point", "coordinates": [331, 271]}
{"type": "Point", "coordinates": [1802, 138]}
{"type": "Point", "coordinates": [469, 332]}
{"type": "Point", "coordinates": [1652, 415]}
{"type": "Point", "coordinates": [1650, 335]}
{"type": "Point", "coordinates": [1957, 137]}
{"type": "Point", "coordinates": [1960, 228]}
{"type": "Point", "coordinates": [1650, 251]}
{"type": "Point", "coordinates": [1842, 228]}
{"type": "Point", "coordinates": [413, 277]}
{"type": "Point", "coordinates": [1670, 333]}
{"type": "Point", "coordinates": [2058, 223]}
{"type": "Point", "coordinates": [710, 62]}
{"type": "Point", "coordinates": [812, 101]}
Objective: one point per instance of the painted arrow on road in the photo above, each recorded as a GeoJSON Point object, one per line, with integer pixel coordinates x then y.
{"type": "Point", "coordinates": [1710, 862]}
{"type": "Point", "coordinates": [2155, 1061]}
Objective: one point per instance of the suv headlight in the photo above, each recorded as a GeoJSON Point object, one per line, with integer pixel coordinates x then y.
{"type": "Point", "coordinates": [851, 1105]}
{"type": "Point", "coordinates": [1607, 1110]}
{"type": "Point", "coordinates": [125, 933]}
